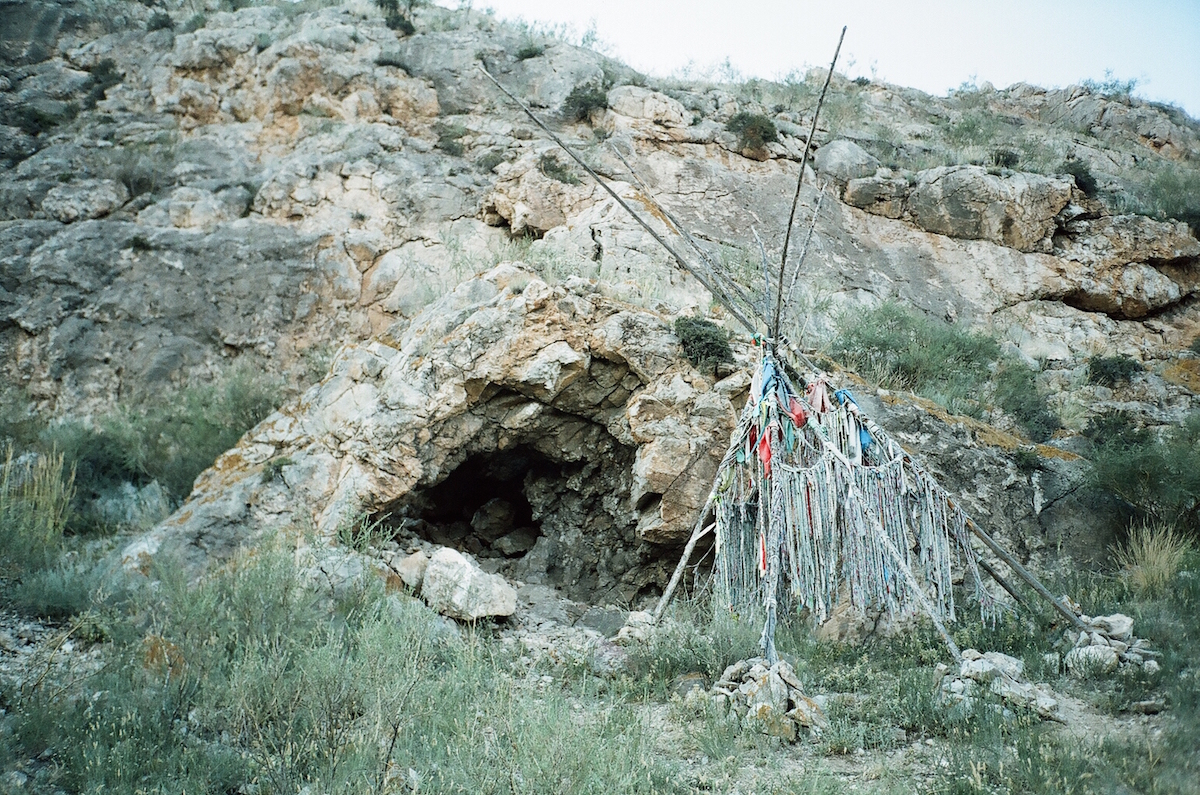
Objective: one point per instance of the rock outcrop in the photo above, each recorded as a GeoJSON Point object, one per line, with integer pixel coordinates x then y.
{"type": "Point", "coordinates": [553, 431]}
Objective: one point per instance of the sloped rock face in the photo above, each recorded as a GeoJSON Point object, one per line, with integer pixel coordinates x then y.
{"type": "Point", "coordinates": [573, 408]}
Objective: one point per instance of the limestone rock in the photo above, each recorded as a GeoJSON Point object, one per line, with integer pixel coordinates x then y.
{"type": "Point", "coordinates": [455, 587]}
{"type": "Point", "coordinates": [1087, 661]}
{"type": "Point", "coordinates": [411, 570]}
{"type": "Point", "coordinates": [844, 161]}
{"type": "Point", "coordinates": [542, 385]}
{"type": "Point", "coordinates": [1018, 210]}
{"type": "Point", "coordinates": [84, 200]}
{"type": "Point", "coordinates": [884, 196]}
{"type": "Point", "coordinates": [1117, 626]}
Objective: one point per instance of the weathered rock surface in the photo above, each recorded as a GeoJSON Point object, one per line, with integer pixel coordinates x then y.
{"type": "Point", "coordinates": [577, 406]}
{"type": "Point", "coordinates": [455, 587]}
{"type": "Point", "coordinates": [1017, 211]}
{"type": "Point", "coordinates": [844, 161]}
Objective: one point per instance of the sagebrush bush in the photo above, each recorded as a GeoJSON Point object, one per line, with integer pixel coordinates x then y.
{"type": "Point", "coordinates": [448, 138]}
{"type": "Point", "coordinates": [584, 99]}
{"type": "Point", "coordinates": [1016, 392]}
{"type": "Point", "coordinates": [1112, 371]}
{"type": "Point", "coordinates": [169, 437]}
{"type": "Point", "coordinates": [1174, 192]}
{"type": "Point", "coordinates": [556, 170]}
{"type": "Point", "coordinates": [1153, 471]}
{"type": "Point", "coordinates": [754, 131]}
{"type": "Point", "coordinates": [705, 344]}
{"type": "Point", "coordinates": [530, 51]}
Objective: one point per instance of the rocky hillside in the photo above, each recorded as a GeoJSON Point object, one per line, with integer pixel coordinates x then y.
{"type": "Point", "coordinates": [183, 190]}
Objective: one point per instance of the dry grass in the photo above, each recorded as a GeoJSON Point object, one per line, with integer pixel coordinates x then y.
{"type": "Point", "coordinates": [1151, 557]}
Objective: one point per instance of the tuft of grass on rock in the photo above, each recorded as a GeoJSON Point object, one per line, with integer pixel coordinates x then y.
{"type": "Point", "coordinates": [584, 99]}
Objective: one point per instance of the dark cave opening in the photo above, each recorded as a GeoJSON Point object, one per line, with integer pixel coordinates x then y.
{"type": "Point", "coordinates": [481, 507]}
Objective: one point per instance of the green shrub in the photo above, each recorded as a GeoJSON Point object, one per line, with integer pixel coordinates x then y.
{"type": "Point", "coordinates": [488, 161]}
{"type": "Point", "coordinates": [160, 20]}
{"type": "Point", "coordinates": [104, 76]}
{"type": "Point", "coordinates": [705, 344]}
{"type": "Point", "coordinates": [170, 437]}
{"type": "Point", "coordinates": [1027, 460]}
{"type": "Point", "coordinates": [1112, 370]}
{"type": "Point", "coordinates": [141, 168]}
{"type": "Point", "coordinates": [1110, 87]}
{"type": "Point", "coordinates": [584, 99]}
{"type": "Point", "coordinates": [1017, 393]}
{"type": "Point", "coordinates": [530, 51]}
{"type": "Point", "coordinates": [1005, 158]}
{"type": "Point", "coordinates": [900, 349]}
{"type": "Point", "coordinates": [448, 138]}
{"type": "Point", "coordinates": [1174, 192]}
{"type": "Point", "coordinates": [553, 168]}
{"type": "Point", "coordinates": [754, 131]}
{"type": "Point", "coordinates": [1154, 472]}
{"type": "Point", "coordinates": [398, 18]}
{"type": "Point", "coordinates": [1083, 176]}
{"type": "Point", "coordinates": [1195, 346]}
{"type": "Point", "coordinates": [274, 468]}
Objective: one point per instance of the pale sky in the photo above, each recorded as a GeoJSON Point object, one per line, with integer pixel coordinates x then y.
{"type": "Point", "coordinates": [933, 46]}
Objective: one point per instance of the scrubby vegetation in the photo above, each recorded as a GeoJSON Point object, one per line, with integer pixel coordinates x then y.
{"type": "Point", "coordinates": [583, 100]}
{"type": "Point", "coordinates": [705, 344]}
{"type": "Point", "coordinates": [962, 370]}
{"type": "Point", "coordinates": [1152, 470]}
{"type": "Point", "coordinates": [1112, 370]}
{"type": "Point", "coordinates": [556, 170]}
{"type": "Point", "coordinates": [754, 131]}
{"type": "Point", "coordinates": [167, 437]}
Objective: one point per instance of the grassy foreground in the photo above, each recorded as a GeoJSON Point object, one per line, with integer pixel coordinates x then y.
{"type": "Point", "coordinates": [261, 679]}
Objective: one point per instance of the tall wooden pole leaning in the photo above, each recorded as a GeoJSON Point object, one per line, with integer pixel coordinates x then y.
{"type": "Point", "coordinates": [787, 237]}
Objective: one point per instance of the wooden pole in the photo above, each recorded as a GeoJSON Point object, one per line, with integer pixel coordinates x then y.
{"type": "Point", "coordinates": [800, 181]}
{"type": "Point", "coordinates": [697, 534]}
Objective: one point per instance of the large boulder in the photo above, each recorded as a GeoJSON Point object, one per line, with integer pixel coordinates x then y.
{"type": "Point", "coordinates": [878, 195]}
{"type": "Point", "coordinates": [456, 587]}
{"type": "Point", "coordinates": [845, 160]}
{"type": "Point", "coordinates": [1017, 210]}
{"type": "Point", "coordinates": [84, 200]}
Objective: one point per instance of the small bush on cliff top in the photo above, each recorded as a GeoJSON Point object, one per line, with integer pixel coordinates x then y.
{"type": "Point", "coordinates": [753, 130]}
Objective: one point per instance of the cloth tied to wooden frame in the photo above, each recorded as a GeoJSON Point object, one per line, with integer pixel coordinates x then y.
{"type": "Point", "coordinates": [814, 503]}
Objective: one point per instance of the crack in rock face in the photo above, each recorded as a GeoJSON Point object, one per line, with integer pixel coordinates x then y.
{"type": "Point", "coordinates": [556, 435]}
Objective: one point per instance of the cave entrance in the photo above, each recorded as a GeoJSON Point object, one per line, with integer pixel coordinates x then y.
{"type": "Point", "coordinates": [539, 496]}
{"type": "Point", "coordinates": [482, 507]}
